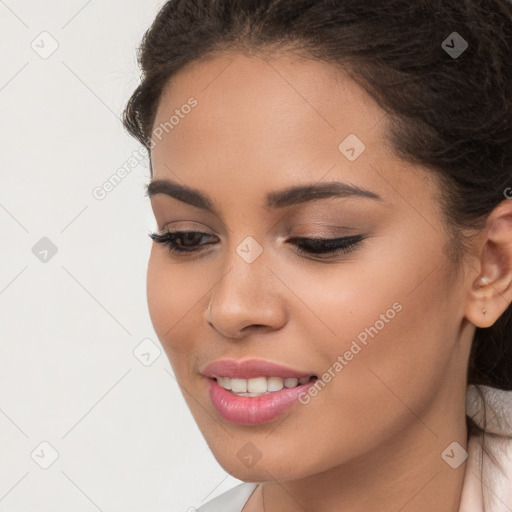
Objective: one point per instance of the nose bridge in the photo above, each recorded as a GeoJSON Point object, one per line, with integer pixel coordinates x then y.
{"type": "Point", "coordinates": [246, 274]}
{"type": "Point", "coordinates": [247, 293]}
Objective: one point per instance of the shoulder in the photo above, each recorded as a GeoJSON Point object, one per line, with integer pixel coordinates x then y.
{"type": "Point", "coordinates": [489, 478]}
{"type": "Point", "coordinates": [230, 501]}
{"type": "Point", "coordinates": [488, 481]}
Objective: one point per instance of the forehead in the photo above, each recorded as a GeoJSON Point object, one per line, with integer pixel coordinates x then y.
{"type": "Point", "coordinates": [264, 122]}
{"type": "Point", "coordinates": [244, 96]}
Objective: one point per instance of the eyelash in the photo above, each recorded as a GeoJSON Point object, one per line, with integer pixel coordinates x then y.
{"type": "Point", "coordinates": [323, 247]}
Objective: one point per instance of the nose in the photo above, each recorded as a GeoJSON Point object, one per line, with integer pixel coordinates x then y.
{"type": "Point", "coordinates": [247, 298]}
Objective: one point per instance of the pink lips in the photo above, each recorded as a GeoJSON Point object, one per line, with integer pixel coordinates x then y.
{"type": "Point", "coordinates": [252, 410]}
{"type": "Point", "coordinates": [250, 368]}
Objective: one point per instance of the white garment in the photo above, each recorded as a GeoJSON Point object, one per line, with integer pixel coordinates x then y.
{"type": "Point", "coordinates": [489, 487]}
{"type": "Point", "coordinates": [231, 501]}
{"type": "Point", "coordinates": [497, 487]}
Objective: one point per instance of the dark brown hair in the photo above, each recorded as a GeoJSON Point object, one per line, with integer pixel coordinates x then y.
{"type": "Point", "coordinates": [451, 114]}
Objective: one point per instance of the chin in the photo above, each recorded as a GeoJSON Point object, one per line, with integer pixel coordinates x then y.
{"type": "Point", "coordinates": [257, 461]}
{"type": "Point", "coordinates": [263, 471]}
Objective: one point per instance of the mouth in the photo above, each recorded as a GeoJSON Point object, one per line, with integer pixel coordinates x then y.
{"type": "Point", "coordinates": [247, 404]}
{"type": "Point", "coordinates": [255, 391]}
{"type": "Point", "coordinates": [259, 386]}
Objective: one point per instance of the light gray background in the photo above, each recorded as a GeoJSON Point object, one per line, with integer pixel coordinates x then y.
{"type": "Point", "coordinates": [71, 321]}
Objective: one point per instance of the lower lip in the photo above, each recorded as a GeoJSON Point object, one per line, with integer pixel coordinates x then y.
{"type": "Point", "coordinates": [246, 410]}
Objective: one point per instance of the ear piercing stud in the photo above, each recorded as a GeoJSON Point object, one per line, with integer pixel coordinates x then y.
{"type": "Point", "coordinates": [484, 281]}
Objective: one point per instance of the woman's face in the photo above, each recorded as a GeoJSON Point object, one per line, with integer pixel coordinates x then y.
{"type": "Point", "coordinates": [377, 326]}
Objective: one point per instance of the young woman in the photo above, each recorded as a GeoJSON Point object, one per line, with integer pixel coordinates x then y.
{"type": "Point", "coordinates": [332, 274]}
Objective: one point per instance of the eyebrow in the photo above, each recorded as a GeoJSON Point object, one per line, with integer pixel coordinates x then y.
{"type": "Point", "coordinates": [288, 197]}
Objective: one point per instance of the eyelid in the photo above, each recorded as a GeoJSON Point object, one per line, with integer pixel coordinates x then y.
{"type": "Point", "coordinates": [330, 232]}
{"type": "Point", "coordinates": [184, 225]}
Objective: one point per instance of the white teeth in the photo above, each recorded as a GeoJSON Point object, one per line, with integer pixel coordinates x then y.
{"type": "Point", "coordinates": [291, 382]}
{"type": "Point", "coordinates": [259, 385]}
{"type": "Point", "coordinates": [239, 385]}
{"type": "Point", "coordinates": [225, 382]}
{"type": "Point", "coordinates": [275, 384]}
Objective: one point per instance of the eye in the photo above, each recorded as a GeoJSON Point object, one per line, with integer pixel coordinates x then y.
{"type": "Point", "coordinates": [323, 247]}
{"type": "Point", "coordinates": [187, 238]}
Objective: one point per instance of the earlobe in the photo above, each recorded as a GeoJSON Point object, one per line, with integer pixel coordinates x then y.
{"type": "Point", "coordinates": [479, 309]}
{"type": "Point", "coordinates": [491, 291]}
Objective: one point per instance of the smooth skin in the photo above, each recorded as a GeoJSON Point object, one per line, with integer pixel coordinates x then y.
{"type": "Point", "coordinates": [372, 439]}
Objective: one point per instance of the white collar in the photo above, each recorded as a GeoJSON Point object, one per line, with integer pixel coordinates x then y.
{"type": "Point", "coordinates": [490, 486]}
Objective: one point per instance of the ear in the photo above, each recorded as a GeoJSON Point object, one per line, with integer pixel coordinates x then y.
{"type": "Point", "coordinates": [490, 293]}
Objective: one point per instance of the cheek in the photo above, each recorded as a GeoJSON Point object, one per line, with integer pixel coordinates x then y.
{"type": "Point", "coordinates": [159, 294]}
{"type": "Point", "coordinates": [393, 324]}
{"type": "Point", "coordinates": [173, 298]}
{"type": "Point", "coordinates": [406, 335]}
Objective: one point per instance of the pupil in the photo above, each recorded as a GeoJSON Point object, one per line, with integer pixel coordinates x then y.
{"type": "Point", "coordinates": [189, 237]}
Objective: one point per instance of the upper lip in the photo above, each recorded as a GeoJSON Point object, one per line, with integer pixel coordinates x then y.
{"type": "Point", "coordinates": [250, 368]}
